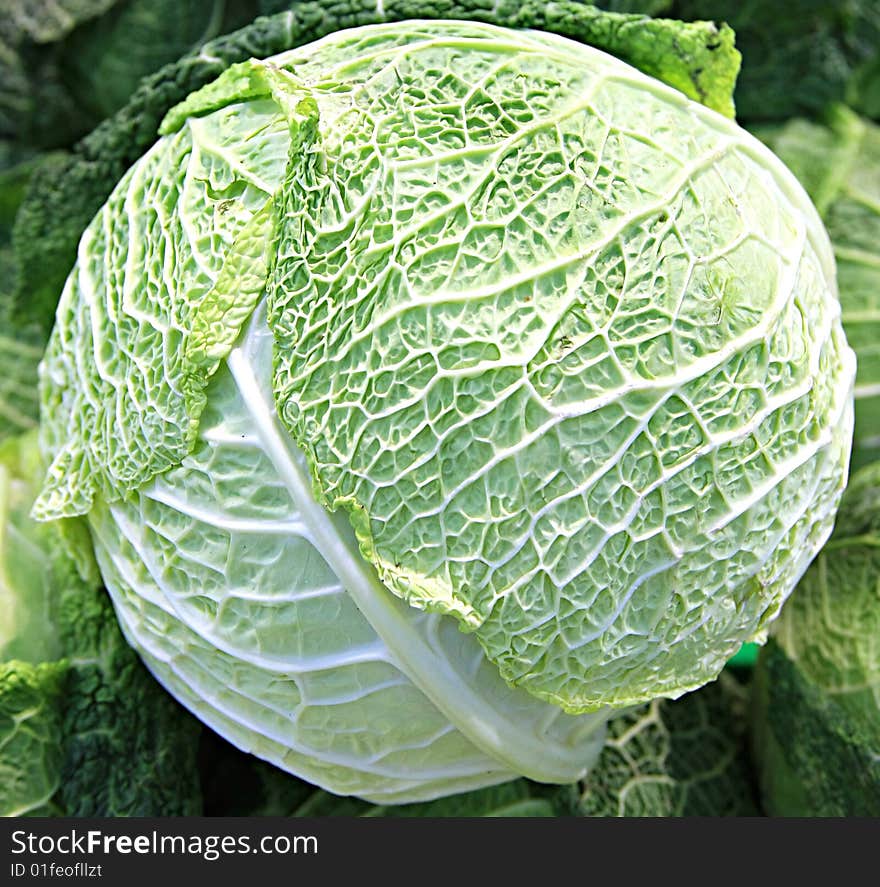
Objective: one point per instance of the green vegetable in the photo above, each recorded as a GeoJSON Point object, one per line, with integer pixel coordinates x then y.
{"type": "Point", "coordinates": [343, 369]}
{"type": "Point", "coordinates": [817, 697]}
{"type": "Point", "coordinates": [21, 348]}
{"type": "Point", "coordinates": [84, 729]}
{"type": "Point", "coordinates": [838, 162]}
{"type": "Point", "coordinates": [31, 755]}
{"type": "Point", "coordinates": [21, 340]}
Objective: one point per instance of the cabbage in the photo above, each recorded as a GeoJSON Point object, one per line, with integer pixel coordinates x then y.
{"type": "Point", "coordinates": [434, 391]}
{"type": "Point", "coordinates": [681, 758]}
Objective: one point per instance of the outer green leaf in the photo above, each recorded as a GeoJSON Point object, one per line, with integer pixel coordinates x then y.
{"type": "Point", "coordinates": [16, 166]}
{"type": "Point", "coordinates": [832, 628]}
{"type": "Point", "coordinates": [644, 7]}
{"type": "Point", "coordinates": [129, 749]}
{"type": "Point", "coordinates": [20, 352]}
{"type": "Point", "coordinates": [814, 758]}
{"type": "Point", "coordinates": [863, 89]}
{"type": "Point", "coordinates": [28, 630]}
{"type": "Point", "coordinates": [697, 58]}
{"type": "Point", "coordinates": [89, 734]}
{"type": "Point", "coordinates": [21, 340]}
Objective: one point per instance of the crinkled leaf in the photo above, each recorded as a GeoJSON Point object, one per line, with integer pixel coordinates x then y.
{"type": "Point", "coordinates": [182, 297]}
{"type": "Point", "coordinates": [28, 628]}
{"type": "Point", "coordinates": [20, 353]}
{"type": "Point", "coordinates": [84, 728]}
{"type": "Point", "coordinates": [482, 370]}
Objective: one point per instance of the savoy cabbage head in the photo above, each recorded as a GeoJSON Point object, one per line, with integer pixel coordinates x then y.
{"type": "Point", "coordinates": [433, 391]}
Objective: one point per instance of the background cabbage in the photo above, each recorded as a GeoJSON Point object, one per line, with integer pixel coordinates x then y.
{"type": "Point", "coordinates": [67, 64]}
{"type": "Point", "coordinates": [837, 159]}
{"type": "Point", "coordinates": [86, 731]}
{"type": "Point", "coordinates": [816, 724]}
